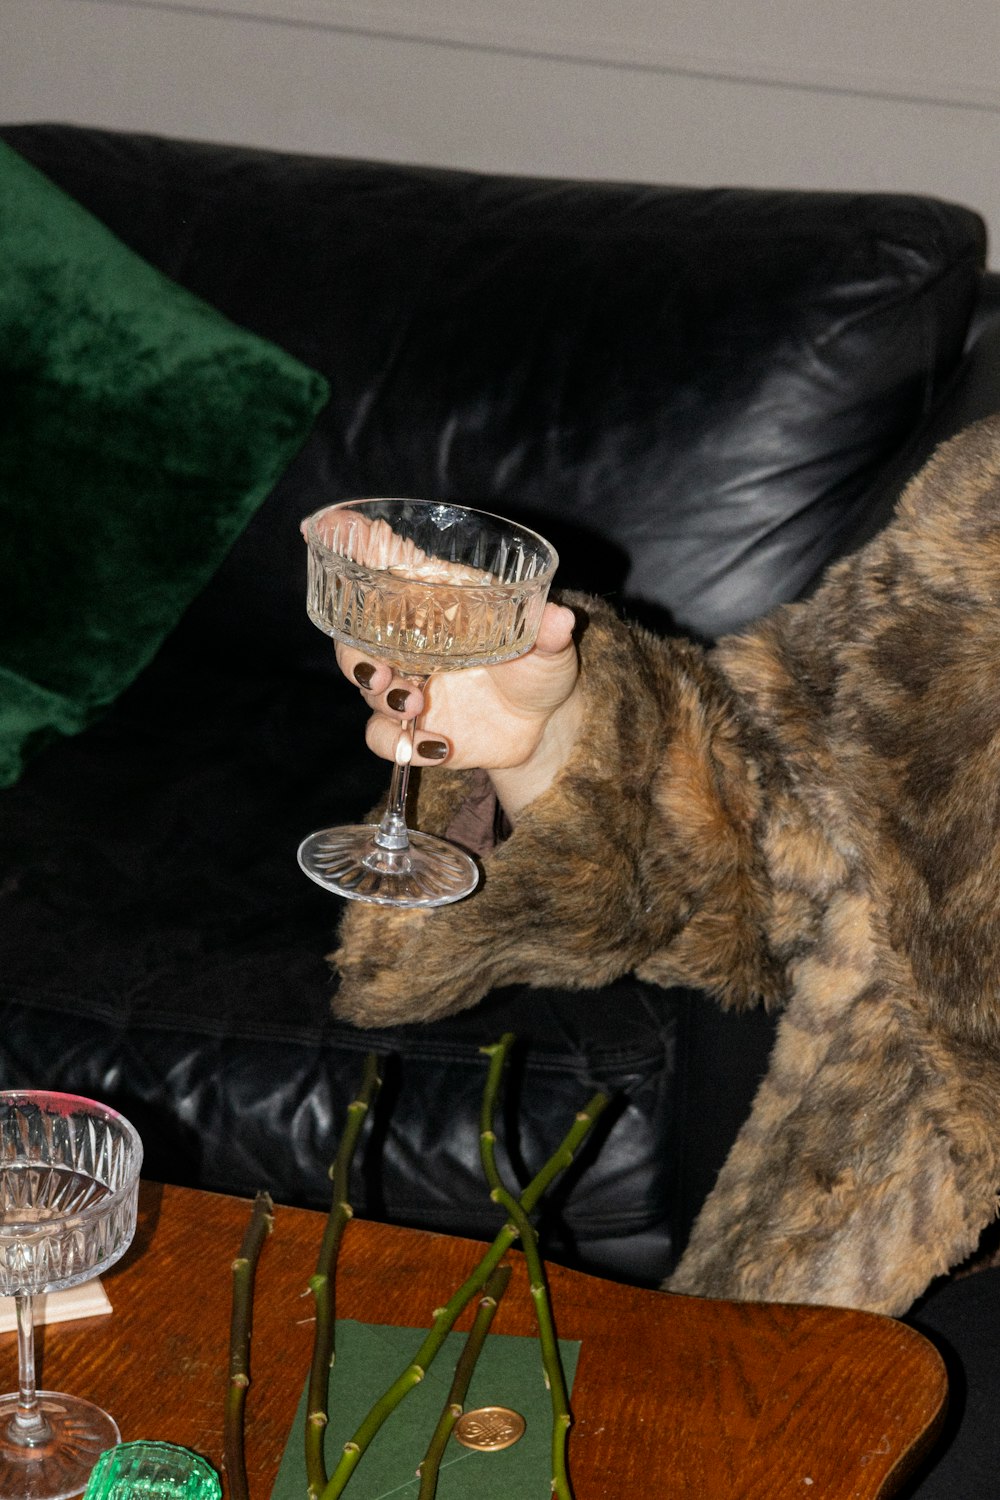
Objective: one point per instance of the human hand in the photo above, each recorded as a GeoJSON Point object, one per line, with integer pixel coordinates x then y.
{"type": "Point", "coordinates": [518, 720]}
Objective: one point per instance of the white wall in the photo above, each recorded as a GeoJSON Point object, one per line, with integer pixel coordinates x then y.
{"type": "Point", "coordinates": [898, 95]}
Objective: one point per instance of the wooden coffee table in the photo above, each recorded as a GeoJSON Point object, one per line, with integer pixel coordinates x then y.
{"type": "Point", "coordinates": [673, 1397]}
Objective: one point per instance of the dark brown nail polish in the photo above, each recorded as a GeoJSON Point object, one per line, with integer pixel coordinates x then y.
{"type": "Point", "coordinates": [432, 749]}
{"type": "Point", "coordinates": [397, 699]}
{"type": "Point", "coordinates": [363, 673]}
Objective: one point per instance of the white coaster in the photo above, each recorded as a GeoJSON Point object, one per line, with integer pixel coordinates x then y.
{"type": "Point", "coordinates": [87, 1301]}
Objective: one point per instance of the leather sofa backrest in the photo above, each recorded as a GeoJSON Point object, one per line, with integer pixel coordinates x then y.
{"type": "Point", "coordinates": [688, 390]}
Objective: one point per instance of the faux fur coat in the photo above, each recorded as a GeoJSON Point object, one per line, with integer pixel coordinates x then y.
{"type": "Point", "coordinates": [806, 816]}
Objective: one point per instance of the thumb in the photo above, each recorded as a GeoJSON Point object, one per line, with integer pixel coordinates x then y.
{"type": "Point", "coordinates": [556, 630]}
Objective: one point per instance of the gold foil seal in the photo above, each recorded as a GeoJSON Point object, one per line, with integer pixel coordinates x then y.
{"type": "Point", "coordinates": [489, 1428]}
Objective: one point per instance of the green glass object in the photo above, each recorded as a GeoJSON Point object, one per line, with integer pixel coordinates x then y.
{"type": "Point", "coordinates": [160, 1471]}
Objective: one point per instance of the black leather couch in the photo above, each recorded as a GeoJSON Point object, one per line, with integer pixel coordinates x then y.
{"type": "Point", "coordinates": [700, 396]}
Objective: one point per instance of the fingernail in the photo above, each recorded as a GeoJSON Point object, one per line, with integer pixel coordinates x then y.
{"type": "Point", "coordinates": [397, 699]}
{"type": "Point", "coordinates": [432, 749]}
{"type": "Point", "coordinates": [363, 673]}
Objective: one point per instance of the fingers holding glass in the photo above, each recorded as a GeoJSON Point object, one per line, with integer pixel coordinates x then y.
{"type": "Point", "coordinates": [405, 743]}
{"type": "Point", "coordinates": [396, 703]}
{"type": "Point", "coordinates": [365, 672]}
{"type": "Point", "coordinates": [382, 690]}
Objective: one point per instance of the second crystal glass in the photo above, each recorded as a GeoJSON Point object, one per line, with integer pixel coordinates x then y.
{"type": "Point", "coordinates": [427, 587]}
{"type": "Point", "coordinates": [69, 1183]}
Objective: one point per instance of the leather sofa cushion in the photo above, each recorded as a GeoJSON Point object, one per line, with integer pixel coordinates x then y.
{"type": "Point", "coordinates": [165, 953]}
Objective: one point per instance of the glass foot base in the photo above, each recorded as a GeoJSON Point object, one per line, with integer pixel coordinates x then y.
{"type": "Point", "coordinates": [429, 872]}
{"type": "Point", "coordinates": [59, 1466]}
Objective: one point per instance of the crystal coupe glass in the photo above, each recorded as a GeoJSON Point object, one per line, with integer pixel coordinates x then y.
{"type": "Point", "coordinates": [428, 587]}
{"type": "Point", "coordinates": [69, 1180]}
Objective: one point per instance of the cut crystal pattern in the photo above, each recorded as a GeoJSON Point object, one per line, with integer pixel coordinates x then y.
{"type": "Point", "coordinates": [463, 588]}
{"type": "Point", "coordinates": [69, 1178]}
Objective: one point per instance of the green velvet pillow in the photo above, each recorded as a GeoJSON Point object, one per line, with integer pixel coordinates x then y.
{"type": "Point", "coordinates": [139, 432]}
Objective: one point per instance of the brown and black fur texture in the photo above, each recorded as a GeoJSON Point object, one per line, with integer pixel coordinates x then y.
{"type": "Point", "coordinates": [805, 816]}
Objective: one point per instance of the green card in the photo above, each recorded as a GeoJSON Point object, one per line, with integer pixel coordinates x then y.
{"type": "Point", "coordinates": [369, 1358]}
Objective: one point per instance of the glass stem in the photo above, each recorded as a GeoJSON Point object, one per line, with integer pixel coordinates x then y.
{"type": "Point", "coordinates": [392, 834]}
{"type": "Point", "coordinates": [28, 1427]}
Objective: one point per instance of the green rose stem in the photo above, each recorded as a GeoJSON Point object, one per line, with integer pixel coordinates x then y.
{"type": "Point", "coordinates": [455, 1404]}
{"type": "Point", "coordinates": [322, 1284]}
{"type": "Point", "coordinates": [554, 1378]}
{"type": "Point", "coordinates": [445, 1317]}
{"type": "Point", "coordinates": [240, 1327]}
